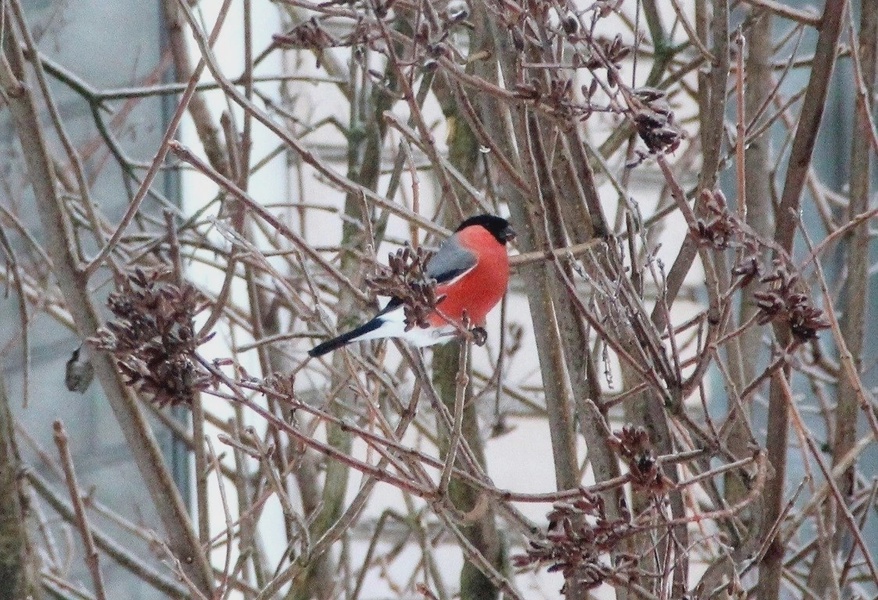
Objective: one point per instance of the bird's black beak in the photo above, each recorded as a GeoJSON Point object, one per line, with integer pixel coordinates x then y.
{"type": "Point", "coordinates": [508, 234]}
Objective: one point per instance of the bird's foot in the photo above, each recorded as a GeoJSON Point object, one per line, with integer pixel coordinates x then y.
{"type": "Point", "coordinates": [480, 335]}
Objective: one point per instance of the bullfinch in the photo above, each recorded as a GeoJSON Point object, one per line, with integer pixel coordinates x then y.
{"type": "Point", "coordinates": [471, 269]}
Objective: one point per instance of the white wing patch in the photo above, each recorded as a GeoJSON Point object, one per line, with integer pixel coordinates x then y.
{"type": "Point", "coordinates": [457, 277]}
{"type": "Point", "coordinates": [393, 325]}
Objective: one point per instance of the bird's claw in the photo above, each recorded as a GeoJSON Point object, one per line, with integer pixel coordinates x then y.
{"type": "Point", "coordinates": [480, 335]}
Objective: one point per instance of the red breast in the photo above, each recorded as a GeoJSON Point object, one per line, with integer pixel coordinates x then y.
{"type": "Point", "coordinates": [480, 289]}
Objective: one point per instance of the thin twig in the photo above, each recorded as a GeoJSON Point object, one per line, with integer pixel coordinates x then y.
{"type": "Point", "coordinates": [92, 558]}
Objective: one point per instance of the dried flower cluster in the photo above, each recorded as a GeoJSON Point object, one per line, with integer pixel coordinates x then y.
{"type": "Point", "coordinates": [581, 537]}
{"type": "Point", "coordinates": [785, 298]}
{"type": "Point", "coordinates": [578, 542]}
{"type": "Point", "coordinates": [784, 301]}
{"type": "Point", "coordinates": [557, 95]}
{"type": "Point", "coordinates": [284, 385]}
{"type": "Point", "coordinates": [717, 229]}
{"type": "Point", "coordinates": [312, 35]}
{"type": "Point", "coordinates": [609, 52]}
{"type": "Point", "coordinates": [153, 337]}
{"type": "Point", "coordinates": [309, 34]}
{"type": "Point", "coordinates": [749, 265]}
{"type": "Point", "coordinates": [654, 120]}
{"type": "Point", "coordinates": [405, 278]}
{"type": "Point", "coordinates": [634, 448]}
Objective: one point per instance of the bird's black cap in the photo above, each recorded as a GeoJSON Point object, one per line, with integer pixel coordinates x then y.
{"type": "Point", "coordinates": [496, 226]}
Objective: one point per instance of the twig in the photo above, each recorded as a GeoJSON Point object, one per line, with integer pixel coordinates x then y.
{"type": "Point", "coordinates": [121, 555]}
{"type": "Point", "coordinates": [787, 12]}
{"type": "Point", "coordinates": [187, 155]}
{"type": "Point", "coordinates": [462, 380]}
{"type": "Point", "coordinates": [809, 122]}
{"type": "Point", "coordinates": [306, 155]}
{"type": "Point", "coordinates": [770, 571]}
{"type": "Point", "coordinates": [840, 500]}
{"type": "Point", "coordinates": [92, 559]}
{"type": "Point", "coordinates": [526, 258]}
{"type": "Point", "coordinates": [158, 161]}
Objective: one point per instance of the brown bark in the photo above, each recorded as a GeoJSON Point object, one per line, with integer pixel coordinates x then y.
{"type": "Point", "coordinates": [19, 561]}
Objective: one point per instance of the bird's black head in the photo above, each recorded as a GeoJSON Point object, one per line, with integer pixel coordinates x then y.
{"type": "Point", "coordinates": [496, 226]}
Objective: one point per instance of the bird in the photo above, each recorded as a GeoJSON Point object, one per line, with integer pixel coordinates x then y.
{"type": "Point", "coordinates": [471, 270]}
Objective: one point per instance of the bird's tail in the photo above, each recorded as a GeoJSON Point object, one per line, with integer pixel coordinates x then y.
{"type": "Point", "coordinates": [345, 338]}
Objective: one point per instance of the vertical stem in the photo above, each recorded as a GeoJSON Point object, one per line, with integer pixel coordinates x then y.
{"type": "Point", "coordinates": [757, 165]}
{"type": "Point", "coordinates": [810, 118]}
{"type": "Point", "coordinates": [522, 209]}
{"type": "Point", "coordinates": [201, 498]}
{"type": "Point", "coordinates": [19, 563]}
{"type": "Point", "coordinates": [450, 362]}
{"type": "Point", "coordinates": [92, 559]}
{"type": "Point", "coordinates": [855, 295]}
{"type": "Point", "coordinates": [771, 567]}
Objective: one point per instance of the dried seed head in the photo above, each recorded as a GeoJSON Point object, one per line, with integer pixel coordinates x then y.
{"type": "Point", "coordinates": [785, 300]}
{"type": "Point", "coordinates": [153, 336]}
{"type": "Point", "coordinates": [635, 449]}
{"type": "Point", "coordinates": [718, 229]}
{"type": "Point", "coordinates": [578, 536]}
{"type": "Point", "coordinates": [405, 278]}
